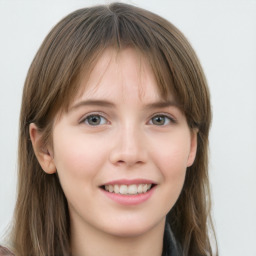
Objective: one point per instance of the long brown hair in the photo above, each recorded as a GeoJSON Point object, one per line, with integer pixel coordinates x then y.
{"type": "Point", "coordinates": [41, 223]}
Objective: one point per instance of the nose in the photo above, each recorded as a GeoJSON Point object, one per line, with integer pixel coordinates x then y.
{"type": "Point", "coordinates": [129, 147]}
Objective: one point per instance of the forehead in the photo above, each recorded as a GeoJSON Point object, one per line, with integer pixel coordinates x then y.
{"type": "Point", "coordinates": [120, 75]}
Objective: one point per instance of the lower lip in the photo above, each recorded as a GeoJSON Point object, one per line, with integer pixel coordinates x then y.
{"type": "Point", "coordinates": [130, 199]}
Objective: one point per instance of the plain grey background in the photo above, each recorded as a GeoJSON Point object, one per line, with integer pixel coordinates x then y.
{"type": "Point", "coordinates": [223, 34]}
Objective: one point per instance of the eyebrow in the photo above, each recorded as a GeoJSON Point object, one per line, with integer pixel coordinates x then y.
{"type": "Point", "coordinates": [162, 104]}
{"type": "Point", "coordinates": [105, 103]}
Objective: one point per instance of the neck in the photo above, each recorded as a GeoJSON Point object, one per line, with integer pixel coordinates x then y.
{"type": "Point", "coordinates": [89, 241]}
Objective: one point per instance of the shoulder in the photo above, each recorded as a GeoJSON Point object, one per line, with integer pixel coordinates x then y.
{"type": "Point", "coordinates": [5, 252]}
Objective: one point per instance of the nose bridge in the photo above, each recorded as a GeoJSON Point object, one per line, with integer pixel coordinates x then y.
{"type": "Point", "coordinates": [129, 147]}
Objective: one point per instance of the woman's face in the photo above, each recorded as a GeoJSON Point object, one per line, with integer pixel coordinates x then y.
{"type": "Point", "coordinates": [121, 152]}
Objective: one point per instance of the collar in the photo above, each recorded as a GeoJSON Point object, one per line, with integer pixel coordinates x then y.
{"type": "Point", "coordinates": [170, 246]}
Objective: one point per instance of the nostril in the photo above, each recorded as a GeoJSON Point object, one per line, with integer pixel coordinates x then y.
{"type": "Point", "coordinates": [129, 162]}
{"type": "Point", "coordinates": [124, 155]}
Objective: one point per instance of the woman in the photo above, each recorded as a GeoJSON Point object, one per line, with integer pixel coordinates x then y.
{"type": "Point", "coordinates": [113, 142]}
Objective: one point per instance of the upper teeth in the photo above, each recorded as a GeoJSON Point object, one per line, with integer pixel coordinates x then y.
{"type": "Point", "coordinates": [128, 189]}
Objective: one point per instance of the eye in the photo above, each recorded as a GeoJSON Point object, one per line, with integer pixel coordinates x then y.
{"type": "Point", "coordinates": [161, 120]}
{"type": "Point", "coordinates": [95, 120]}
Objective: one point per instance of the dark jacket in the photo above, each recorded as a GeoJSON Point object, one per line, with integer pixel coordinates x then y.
{"type": "Point", "coordinates": [170, 246]}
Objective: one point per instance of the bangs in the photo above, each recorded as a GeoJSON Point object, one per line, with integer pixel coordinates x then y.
{"type": "Point", "coordinates": [119, 30]}
{"type": "Point", "coordinates": [77, 42]}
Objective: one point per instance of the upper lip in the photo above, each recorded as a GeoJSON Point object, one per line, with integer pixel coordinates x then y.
{"type": "Point", "coordinates": [129, 182]}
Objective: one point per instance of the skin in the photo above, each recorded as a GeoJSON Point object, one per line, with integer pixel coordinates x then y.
{"type": "Point", "coordinates": [135, 138]}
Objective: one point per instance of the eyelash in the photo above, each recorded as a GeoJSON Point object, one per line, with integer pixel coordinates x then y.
{"type": "Point", "coordinates": [167, 118]}
{"type": "Point", "coordinates": [100, 115]}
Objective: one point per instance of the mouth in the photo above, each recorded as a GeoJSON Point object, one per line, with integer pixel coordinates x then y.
{"type": "Point", "coordinates": [131, 189]}
{"type": "Point", "coordinates": [129, 192]}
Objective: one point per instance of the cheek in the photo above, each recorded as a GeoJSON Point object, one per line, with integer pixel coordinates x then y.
{"type": "Point", "coordinates": [77, 154]}
{"type": "Point", "coordinates": [171, 161]}
{"type": "Point", "coordinates": [78, 161]}
{"type": "Point", "coordinates": [173, 168]}
{"type": "Point", "coordinates": [173, 153]}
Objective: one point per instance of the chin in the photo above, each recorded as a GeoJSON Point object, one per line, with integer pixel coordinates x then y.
{"type": "Point", "coordinates": [132, 228]}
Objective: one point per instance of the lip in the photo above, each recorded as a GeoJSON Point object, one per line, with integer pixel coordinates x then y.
{"type": "Point", "coordinates": [129, 199]}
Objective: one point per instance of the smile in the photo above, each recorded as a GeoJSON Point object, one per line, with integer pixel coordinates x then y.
{"type": "Point", "coordinates": [129, 192]}
{"type": "Point", "coordinates": [132, 189]}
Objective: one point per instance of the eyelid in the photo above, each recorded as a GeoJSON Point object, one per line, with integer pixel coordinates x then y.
{"type": "Point", "coordinates": [99, 113]}
{"type": "Point", "coordinates": [96, 113]}
{"type": "Point", "coordinates": [168, 115]}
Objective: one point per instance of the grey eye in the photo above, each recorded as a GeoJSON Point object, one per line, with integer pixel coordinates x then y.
{"type": "Point", "coordinates": [160, 120]}
{"type": "Point", "coordinates": [95, 120]}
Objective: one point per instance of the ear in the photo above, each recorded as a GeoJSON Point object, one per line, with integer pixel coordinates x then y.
{"type": "Point", "coordinates": [43, 153]}
{"type": "Point", "coordinates": [193, 147]}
